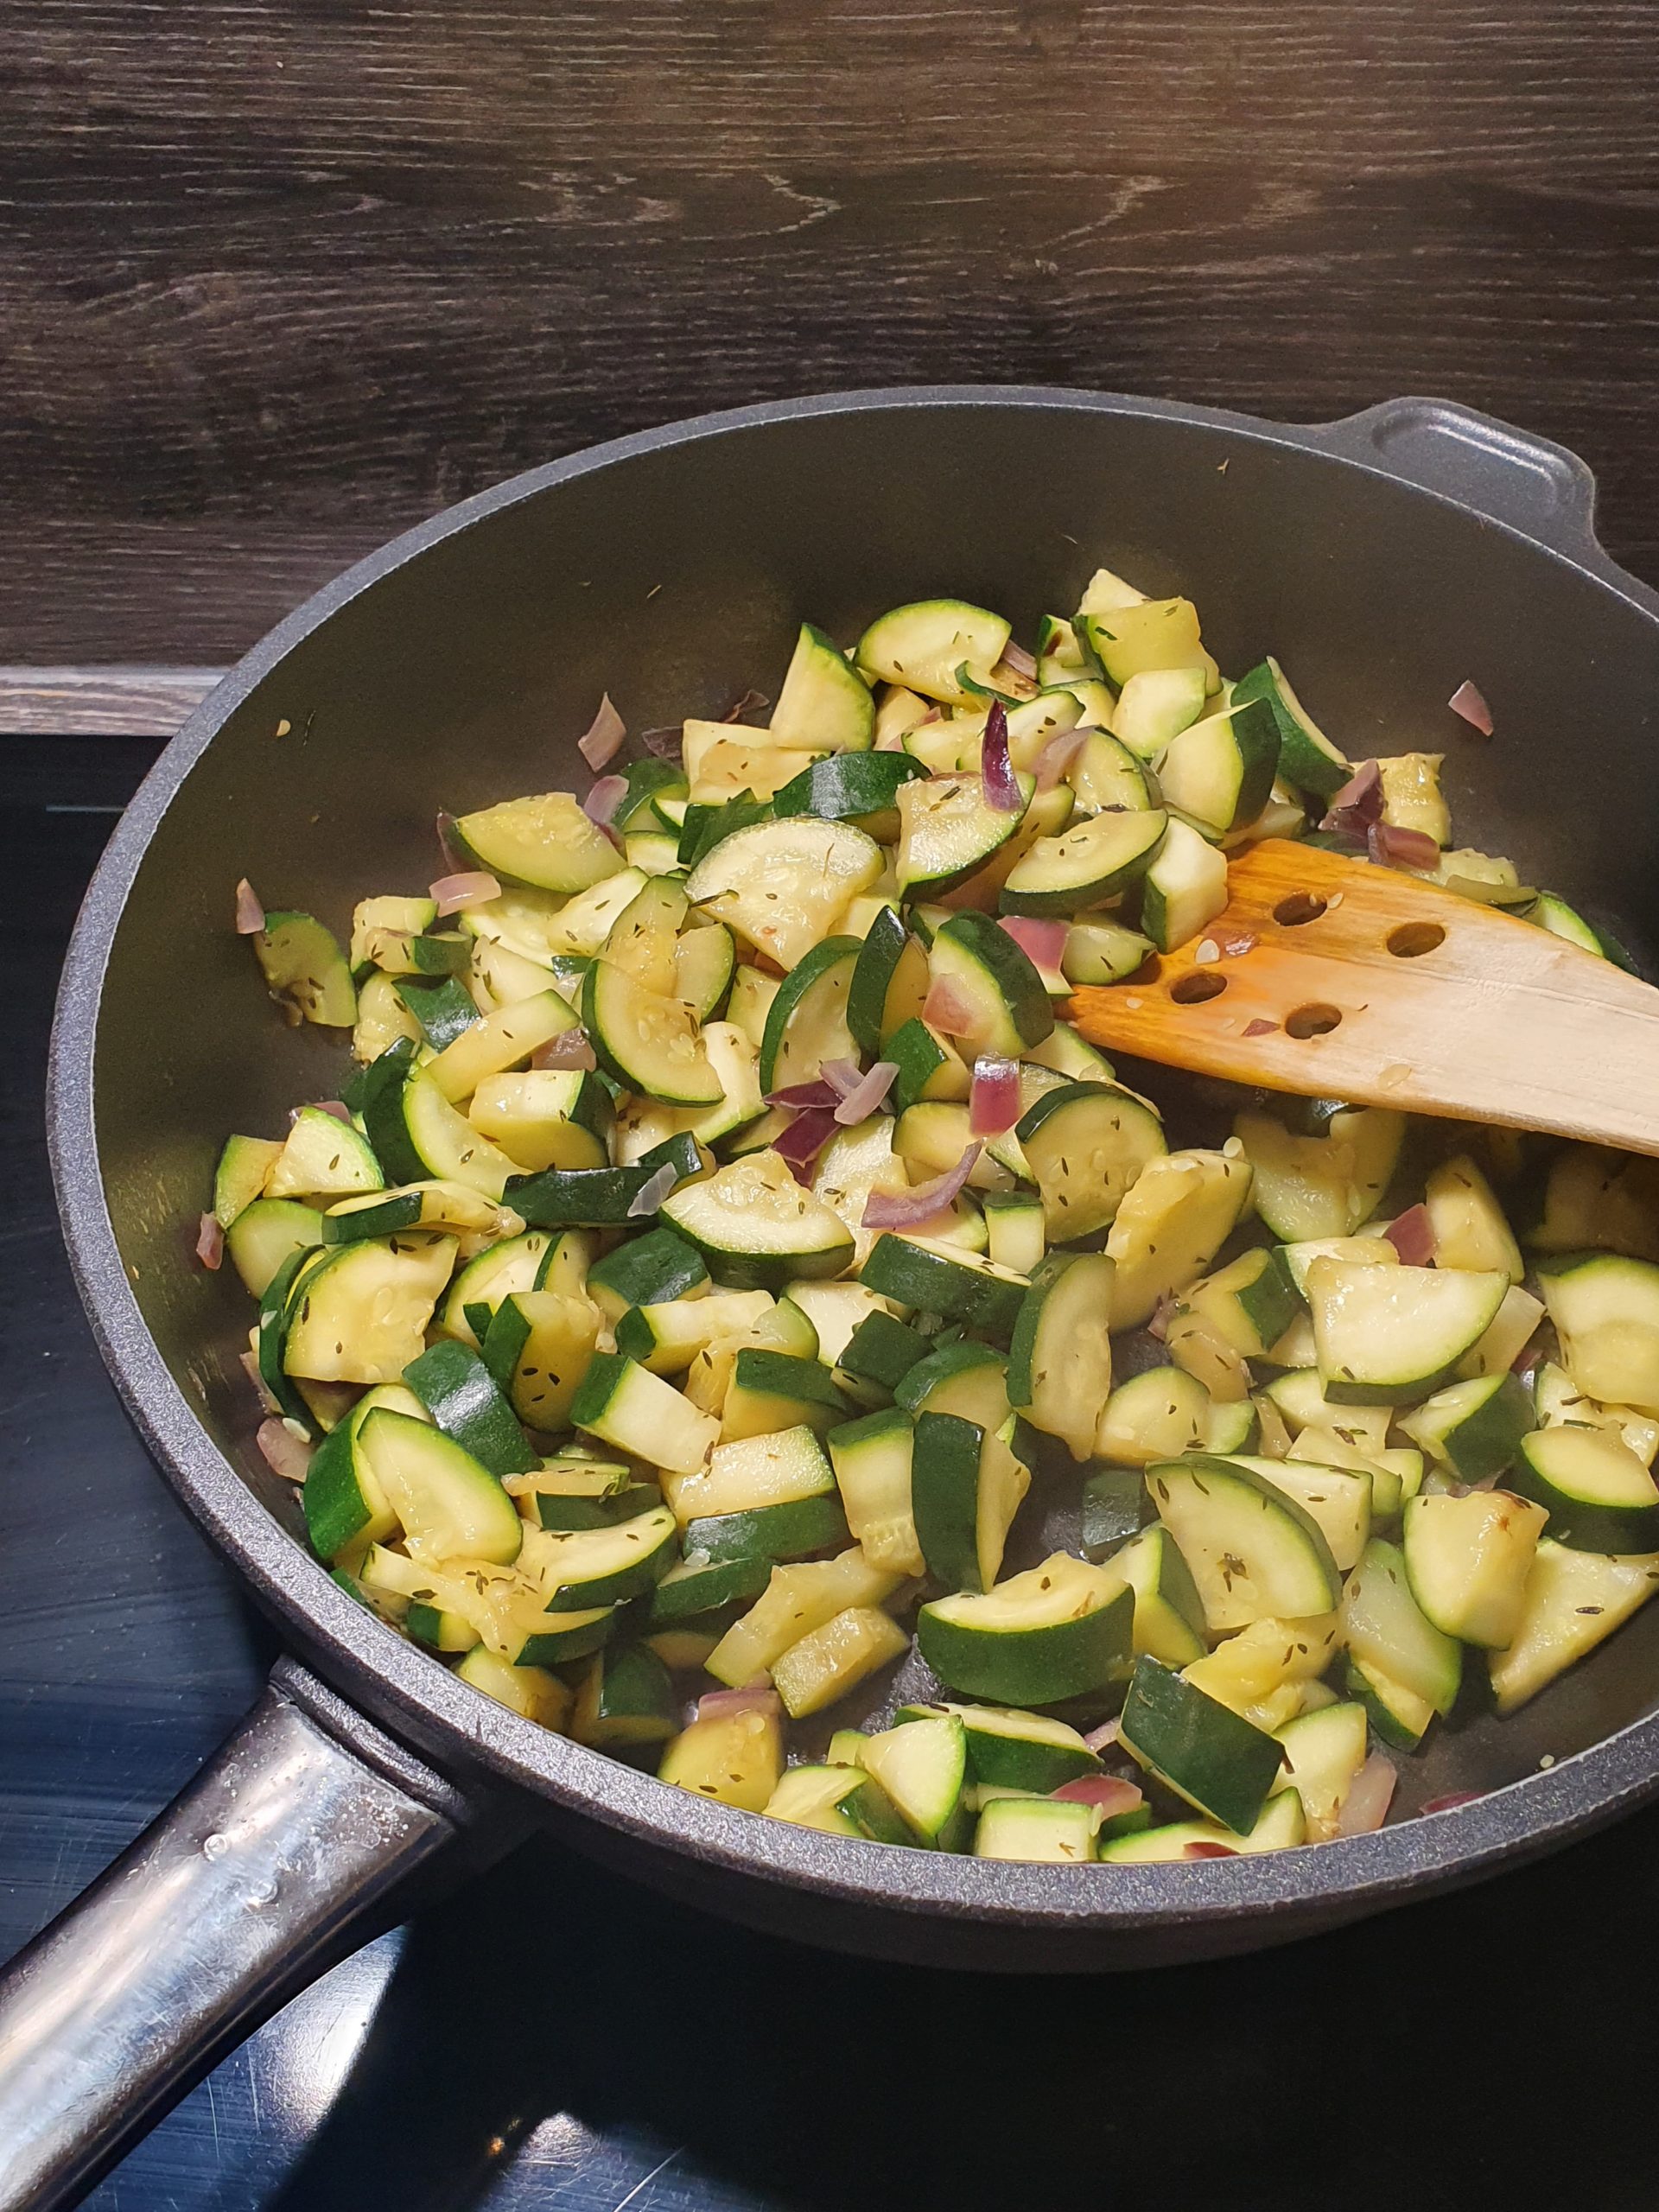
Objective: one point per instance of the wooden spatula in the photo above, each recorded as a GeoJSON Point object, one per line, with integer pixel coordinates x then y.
{"type": "Point", "coordinates": [1339, 980]}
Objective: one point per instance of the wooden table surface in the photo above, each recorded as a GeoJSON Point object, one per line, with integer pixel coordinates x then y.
{"type": "Point", "coordinates": [279, 277]}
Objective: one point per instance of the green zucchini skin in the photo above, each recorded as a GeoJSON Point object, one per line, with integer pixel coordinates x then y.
{"type": "Point", "coordinates": [443, 1009]}
{"type": "Point", "coordinates": [648, 779]}
{"type": "Point", "coordinates": [596, 1198]}
{"type": "Point", "coordinates": [797, 1530]}
{"type": "Point", "coordinates": [465, 1400]}
{"type": "Point", "coordinates": [824, 974]}
{"type": "Point", "coordinates": [1040, 1665]}
{"type": "Point", "coordinates": [1208, 1754]}
{"type": "Point", "coordinates": [887, 944]}
{"type": "Point", "coordinates": [276, 1311]}
{"type": "Point", "coordinates": [979, 954]}
{"type": "Point", "coordinates": [944, 1495]}
{"type": "Point", "coordinates": [920, 1058]}
{"type": "Point", "coordinates": [375, 1095]}
{"type": "Point", "coordinates": [1114, 1509]}
{"type": "Point", "coordinates": [706, 825]}
{"type": "Point", "coordinates": [932, 1282]}
{"type": "Point", "coordinates": [881, 1350]}
{"type": "Point", "coordinates": [848, 786]}
{"type": "Point", "coordinates": [649, 1270]}
{"type": "Point", "coordinates": [703, 1586]}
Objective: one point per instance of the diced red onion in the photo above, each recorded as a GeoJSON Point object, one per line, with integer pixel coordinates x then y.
{"type": "Point", "coordinates": [1158, 1322]}
{"type": "Point", "coordinates": [741, 708]}
{"type": "Point", "coordinates": [334, 1107]}
{"type": "Point", "coordinates": [994, 1099]}
{"type": "Point", "coordinates": [281, 1451]}
{"type": "Point", "coordinates": [1412, 1235]}
{"type": "Point", "coordinates": [1058, 753]}
{"type": "Point", "coordinates": [569, 1050]}
{"type": "Point", "coordinates": [842, 1076]}
{"type": "Point", "coordinates": [1017, 659]}
{"type": "Point", "coordinates": [1103, 1739]}
{"type": "Point", "coordinates": [805, 1139]}
{"type": "Point", "coordinates": [1387, 846]}
{"type": "Point", "coordinates": [945, 1008]}
{"type": "Point", "coordinates": [995, 769]}
{"type": "Point", "coordinates": [1259, 1027]}
{"type": "Point", "coordinates": [1467, 701]}
{"type": "Point", "coordinates": [1528, 1355]}
{"type": "Point", "coordinates": [1207, 1851]}
{"type": "Point", "coordinates": [664, 744]}
{"type": "Point", "coordinates": [1365, 782]}
{"type": "Point", "coordinates": [1453, 1799]}
{"type": "Point", "coordinates": [1370, 1794]}
{"type": "Point", "coordinates": [890, 741]}
{"type": "Point", "coordinates": [1043, 943]}
{"type": "Point", "coordinates": [250, 1369]}
{"type": "Point", "coordinates": [801, 1095]}
{"type": "Point", "coordinates": [602, 739]}
{"type": "Point", "coordinates": [758, 1697]}
{"type": "Point", "coordinates": [1357, 804]}
{"type": "Point", "coordinates": [1468, 1489]}
{"type": "Point", "coordinates": [859, 1104]}
{"type": "Point", "coordinates": [210, 1243]}
{"type": "Point", "coordinates": [249, 914]}
{"type": "Point", "coordinates": [1109, 1791]}
{"type": "Point", "coordinates": [603, 800]}
{"type": "Point", "coordinates": [650, 1194]}
{"type": "Point", "coordinates": [469, 888]}
{"type": "Point", "coordinates": [908, 1209]}
{"type": "Point", "coordinates": [449, 844]}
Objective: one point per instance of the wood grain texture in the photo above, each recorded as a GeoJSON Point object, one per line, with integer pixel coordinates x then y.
{"type": "Point", "coordinates": [279, 277]}
{"type": "Point", "coordinates": [1491, 1019]}
{"type": "Point", "coordinates": [94, 701]}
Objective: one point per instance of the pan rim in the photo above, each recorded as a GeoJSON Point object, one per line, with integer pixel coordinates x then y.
{"type": "Point", "coordinates": [417, 1696]}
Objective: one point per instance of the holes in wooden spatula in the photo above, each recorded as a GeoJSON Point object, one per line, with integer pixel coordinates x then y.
{"type": "Point", "coordinates": [1316, 1020]}
{"type": "Point", "coordinates": [1411, 939]}
{"type": "Point", "coordinates": [1193, 990]}
{"type": "Point", "coordinates": [1300, 907]}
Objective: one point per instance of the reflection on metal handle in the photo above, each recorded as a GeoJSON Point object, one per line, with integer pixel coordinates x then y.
{"type": "Point", "coordinates": [235, 1897]}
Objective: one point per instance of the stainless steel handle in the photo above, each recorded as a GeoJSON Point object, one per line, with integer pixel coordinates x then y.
{"type": "Point", "coordinates": [268, 1867]}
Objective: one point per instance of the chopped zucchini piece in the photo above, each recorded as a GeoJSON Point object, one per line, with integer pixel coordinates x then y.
{"type": "Point", "coordinates": [1056, 1631]}
{"type": "Point", "coordinates": [1254, 1552]}
{"type": "Point", "coordinates": [1199, 1747]}
{"type": "Point", "coordinates": [1597, 1493]}
{"type": "Point", "coordinates": [1573, 1601]}
{"type": "Point", "coordinates": [735, 1758]}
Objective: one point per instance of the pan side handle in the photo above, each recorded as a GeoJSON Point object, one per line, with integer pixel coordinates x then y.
{"type": "Point", "coordinates": [279, 1857]}
{"type": "Point", "coordinates": [1509, 475]}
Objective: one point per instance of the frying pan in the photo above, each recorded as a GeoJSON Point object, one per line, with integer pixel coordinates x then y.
{"type": "Point", "coordinates": [1384, 558]}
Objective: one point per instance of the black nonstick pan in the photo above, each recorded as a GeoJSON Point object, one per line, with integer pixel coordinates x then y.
{"type": "Point", "coordinates": [1385, 559]}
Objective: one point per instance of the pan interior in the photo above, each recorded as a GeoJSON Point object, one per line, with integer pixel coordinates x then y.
{"type": "Point", "coordinates": [674, 577]}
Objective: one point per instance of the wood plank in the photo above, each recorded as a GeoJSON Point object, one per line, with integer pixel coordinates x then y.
{"type": "Point", "coordinates": [100, 701]}
{"type": "Point", "coordinates": [277, 279]}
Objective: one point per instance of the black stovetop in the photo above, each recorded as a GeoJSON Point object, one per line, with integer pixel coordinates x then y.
{"type": "Point", "coordinates": [553, 2038]}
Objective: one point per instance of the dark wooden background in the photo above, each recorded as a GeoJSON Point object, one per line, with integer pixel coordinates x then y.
{"type": "Point", "coordinates": [279, 276]}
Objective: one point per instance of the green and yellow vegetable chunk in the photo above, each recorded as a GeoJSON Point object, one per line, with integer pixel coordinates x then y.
{"type": "Point", "coordinates": [725, 1272]}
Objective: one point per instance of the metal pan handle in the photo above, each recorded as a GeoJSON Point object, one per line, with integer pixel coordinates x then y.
{"type": "Point", "coordinates": [277, 1859]}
